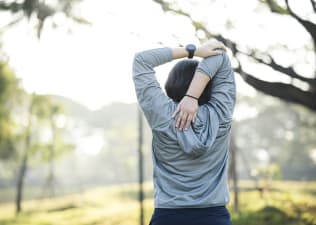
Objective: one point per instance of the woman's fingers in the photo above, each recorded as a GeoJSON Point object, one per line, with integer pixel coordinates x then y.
{"type": "Point", "coordinates": [223, 47]}
{"type": "Point", "coordinates": [219, 46]}
{"type": "Point", "coordinates": [179, 119]}
{"type": "Point", "coordinates": [185, 113]}
{"type": "Point", "coordinates": [188, 122]}
{"type": "Point", "coordinates": [194, 118]}
{"type": "Point", "coordinates": [176, 112]}
{"type": "Point", "coordinates": [183, 120]}
{"type": "Point", "coordinates": [217, 52]}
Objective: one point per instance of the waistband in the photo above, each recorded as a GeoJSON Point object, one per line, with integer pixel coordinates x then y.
{"type": "Point", "coordinates": [184, 210]}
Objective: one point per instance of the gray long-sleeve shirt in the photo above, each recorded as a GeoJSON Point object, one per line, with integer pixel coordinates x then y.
{"type": "Point", "coordinates": [190, 167]}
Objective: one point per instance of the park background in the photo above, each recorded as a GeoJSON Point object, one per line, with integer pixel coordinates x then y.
{"type": "Point", "coordinates": [69, 121]}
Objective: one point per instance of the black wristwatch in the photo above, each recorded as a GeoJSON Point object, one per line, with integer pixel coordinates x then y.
{"type": "Point", "coordinates": [191, 49]}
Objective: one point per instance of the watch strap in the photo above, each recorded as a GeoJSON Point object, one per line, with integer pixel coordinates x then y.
{"type": "Point", "coordinates": [190, 49]}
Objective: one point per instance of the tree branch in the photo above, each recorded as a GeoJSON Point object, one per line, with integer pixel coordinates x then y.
{"type": "Point", "coordinates": [283, 91]}
{"type": "Point", "coordinates": [275, 8]}
{"type": "Point", "coordinates": [289, 71]}
{"type": "Point", "coordinates": [309, 26]}
{"type": "Point", "coordinates": [313, 5]}
{"type": "Point", "coordinates": [13, 7]}
{"type": "Point", "coordinates": [11, 24]}
{"type": "Point", "coordinates": [41, 10]}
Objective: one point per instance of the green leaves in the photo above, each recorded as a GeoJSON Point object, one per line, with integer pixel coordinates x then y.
{"type": "Point", "coordinates": [41, 11]}
{"type": "Point", "coordinates": [275, 7]}
{"type": "Point", "coordinates": [9, 90]}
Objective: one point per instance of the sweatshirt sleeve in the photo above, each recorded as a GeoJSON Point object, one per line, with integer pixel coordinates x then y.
{"type": "Point", "coordinates": [153, 101]}
{"type": "Point", "coordinates": [210, 65]}
{"type": "Point", "coordinates": [223, 88]}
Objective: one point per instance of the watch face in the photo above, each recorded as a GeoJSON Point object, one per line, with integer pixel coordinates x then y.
{"type": "Point", "coordinates": [191, 47]}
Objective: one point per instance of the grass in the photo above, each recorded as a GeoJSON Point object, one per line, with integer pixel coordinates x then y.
{"type": "Point", "coordinates": [291, 203]}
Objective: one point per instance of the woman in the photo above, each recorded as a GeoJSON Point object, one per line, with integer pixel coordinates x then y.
{"type": "Point", "coordinates": [190, 165]}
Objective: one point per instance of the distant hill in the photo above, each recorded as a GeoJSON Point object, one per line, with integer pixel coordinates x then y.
{"type": "Point", "coordinates": [74, 108]}
{"type": "Point", "coordinates": [108, 116]}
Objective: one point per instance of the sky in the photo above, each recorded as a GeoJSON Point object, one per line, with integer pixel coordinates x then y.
{"type": "Point", "coordinates": [92, 63]}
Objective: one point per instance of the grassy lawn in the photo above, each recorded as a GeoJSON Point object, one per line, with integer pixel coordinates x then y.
{"type": "Point", "coordinates": [287, 203]}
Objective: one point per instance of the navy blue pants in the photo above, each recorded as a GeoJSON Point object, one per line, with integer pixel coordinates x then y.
{"type": "Point", "coordinates": [191, 216]}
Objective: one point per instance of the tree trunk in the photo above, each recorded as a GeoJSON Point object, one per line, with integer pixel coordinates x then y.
{"type": "Point", "coordinates": [20, 181]}
{"type": "Point", "coordinates": [51, 176]}
{"type": "Point", "coordinates": [140, 167]}
{"type": "Point", "coordinates": [49, 185]}
{"type": "Point", "coordinates": [233, 171]}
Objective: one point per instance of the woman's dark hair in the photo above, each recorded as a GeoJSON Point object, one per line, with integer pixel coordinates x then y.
{"type": "Point", "coordinates": [179, 80]}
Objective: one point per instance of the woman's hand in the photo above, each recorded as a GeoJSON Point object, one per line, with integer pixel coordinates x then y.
{"type": "Point", "coordinates": [210, 48]}
{"type": "Point", "coordinates": [187, 109]}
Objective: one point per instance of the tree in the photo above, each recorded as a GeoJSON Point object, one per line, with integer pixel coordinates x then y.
{"type": "Point", "coordinates": [290, 92]}
{"type": "Point", "coordinates": [32, 10]}
{"type": "Point", "coordinates": [38, 12]}
{"type": "Point", "coordinates": [35, 112]}
{"type": "Point", "coordinates": [42, 114]}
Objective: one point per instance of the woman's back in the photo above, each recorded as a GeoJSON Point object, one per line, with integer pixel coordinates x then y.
{"type": "Point", "coordinates": [188, 172]}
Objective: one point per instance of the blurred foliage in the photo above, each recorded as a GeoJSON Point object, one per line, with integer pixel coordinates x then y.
{"type": "Point", "coordinates": [40, 11]}
{"type": "Point", "coordinates": [24, 118]}
{"type": "Point", "coordinates": [286, 141]}
{"type": "Point", "coordinates": [269, 172]}
{"type": "Point", "coordinates": [275, 7]}
{"type": "Point", "coordinates": [118, 205]}
{"type": "Point", "coordinates": [26, 140]}
{"type": "Point", "coordinates": [45, 134]}
{"type": "Point", "coordinates": [9, 96]}
{"type": "Point", "coordinates": [118, 125]}
{"type": "Point", "coordinates": [285, 132]}
{"type": "Point", "coordinates": [32, 116]}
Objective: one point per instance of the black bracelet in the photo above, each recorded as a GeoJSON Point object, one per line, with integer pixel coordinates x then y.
{"type": "Point", "coordinates": [191, 96]}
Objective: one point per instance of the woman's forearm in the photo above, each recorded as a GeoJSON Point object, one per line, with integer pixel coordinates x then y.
{"type": "Point", "coordinates": [198, 84]}
{"type": "Point", "coordinates": [178, 53]}
{"type": "Point", "coordinates": [200, 80]}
